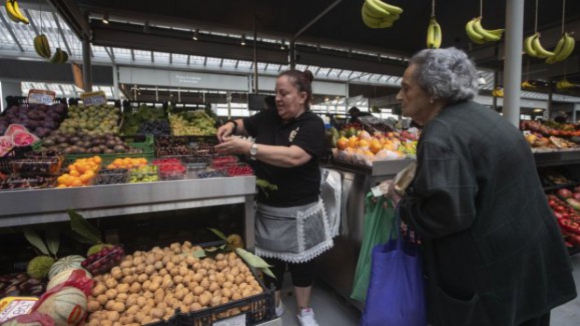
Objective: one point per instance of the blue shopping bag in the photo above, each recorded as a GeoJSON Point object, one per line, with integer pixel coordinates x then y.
{"type": "Point", "coordinates": [396, 293]}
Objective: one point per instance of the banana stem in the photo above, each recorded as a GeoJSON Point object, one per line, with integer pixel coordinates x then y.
{"type": "Point", "coordinates": [536, 22]}
{"type": "Point", "coordinates": [480, 8]}
{"type": "Point", "coordinates": [563, 14]}
{"type": "Point", "coordinates": [433, 8]}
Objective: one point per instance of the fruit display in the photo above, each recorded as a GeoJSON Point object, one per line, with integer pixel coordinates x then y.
{"type": "Point", "coordinates": [238, 170]}
{"type": "Point", "coordinates": [550, 128]}
{"type": "Point", "coordinates": [550, 177]}
{"type": "Point", "coordinates": [148, 287]}
{"type": "Point", "coordinates": [170, 168]}
{"type": "Point", "coordinates": [39, 119]}
{"type": "Point", "coordinates": [65, 263]}
{"type": "Point", "coordinates": [365, 149]}
{"type": "Point", "coordinates": [479, 35]}
{"type": "Point", "coordinates": [127, 163]}
{"type": "Point", "coordinates": [81, 142]}
{"type": "Point", "coordinates": [540, 143]}
{"type": "Point", "coordinates": [97, 119]}
{"type": "Point", "coordinates": [568, 217]}
{"type": "Point", "coordinates": [196, 123]}
{"type": "Point", "coordinates": [211, 174]}
{"type": "Point", "coordinates": [563, 49]}
{"type": "Point", "coordinates": [14, 14]}
{"type": "Point", "coordinates": [377, 14]}
{"type": "Point", "coordinates": [172, 146]}
{"type": "Point", "coordinates": [111, 176]}
{"type": "Point", "coordinates": [39, 267]}
{"type": "Point", "coordinates": [37, 166]}
{"type": "Point", "coordinates": [66, 306]}
{"type": "Point", "coordinates": [145, 120]}
{"type": "Point", "coordinates": [20, 284]}
{"type": "Point", "coordinates": [103, 260]}
{"type": "Point", "coordinates": [80, 173]}
{"type": "Point", "coordinates": [146, 173]}
{"type": "Point", "coordinates": [16, 182]}
{"type": "Point", "coordinates": [564, 84]}
{"type": "Point", "coordinates": [222, 161]}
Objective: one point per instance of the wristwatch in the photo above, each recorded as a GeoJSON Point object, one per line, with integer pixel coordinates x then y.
{"type": "Point", "coordinates": [253, 151]}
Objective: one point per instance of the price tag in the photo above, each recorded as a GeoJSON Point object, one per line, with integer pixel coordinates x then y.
{"type": "Point", "coordinates": [527, 132]}
{"type": "Point", "coordinates": [41, 96]}
{"type": "Point", "coordinates": [15, 306]}
{"type": "Point", "coordinates": [94, 98]}
{"type": "Point", "coordinates": [239, 320]}
{"type": "Point", "coordinates": [380, 190]}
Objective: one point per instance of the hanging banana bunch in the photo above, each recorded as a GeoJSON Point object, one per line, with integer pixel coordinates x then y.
{"type": "Point", "coordinates": [527, 85]}
{"type": "Point", "coordinates": [434, 35]}
{"type": "Point", "coordinates": [497, 92]}
{"type": "Point", "coordinates": [377, 14]}
{"type": "Point", "coordinates": [59, 56]}
{"type": "Point", "coordinates": [565, 84]}
{"type": "Point", "coordinates": [479, 35]}
{"type": "Point", "coordinates": [41, 46]}
{"type": "Point", "coordinates": [564, 48]}
{"type": "Point", "coordinates": [14, 13]}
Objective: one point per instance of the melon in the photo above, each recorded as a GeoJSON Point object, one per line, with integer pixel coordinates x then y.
{"type": "Point", "coordinates": [13, 128]}
{"type": "Point", "coordinates": [22, 138]}
{"type": "Point", "coordinates": [68, 262]}
{"type": "Point", "coordinates": [67, 306]}
{"type": "Point", "coordinates": [64, 276]}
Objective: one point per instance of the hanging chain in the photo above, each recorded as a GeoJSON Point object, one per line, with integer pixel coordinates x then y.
{"type": "Point", "coordinates": [433, 8]}
{"type": "Point", "coordinates": [563, 15]}
{"type": "Point", "coordinates": [480, 8]}
{"type": "Point", "coordinates": [536, 21]}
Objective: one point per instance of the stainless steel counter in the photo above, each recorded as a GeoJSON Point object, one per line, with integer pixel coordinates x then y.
{"type": "Point", "coordinates": [24, 207]}
{"type": "Point", "coordinates": [337, 266]}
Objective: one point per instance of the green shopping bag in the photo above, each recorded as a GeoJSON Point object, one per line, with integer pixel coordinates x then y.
{"type": "Point", "coordinates": [378, 221]}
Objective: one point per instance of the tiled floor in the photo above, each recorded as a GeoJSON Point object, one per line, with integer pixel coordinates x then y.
{"type": "Point", "coordinates": [332, 310]}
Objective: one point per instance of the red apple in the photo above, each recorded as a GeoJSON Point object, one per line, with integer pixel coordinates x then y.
{"type": "Point", "coordinates": [576, 196]}
{"type": "Point", "coordinates": [564, 193]}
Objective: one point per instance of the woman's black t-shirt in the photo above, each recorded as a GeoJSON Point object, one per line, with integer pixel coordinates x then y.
{"type": "Point", "coordinates": [298, 185]}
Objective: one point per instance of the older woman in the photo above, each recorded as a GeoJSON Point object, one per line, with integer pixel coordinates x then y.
{"type": "Point", "coordinates": [493, 252]}
{"type": "Point", "coordinates": [291, 225]}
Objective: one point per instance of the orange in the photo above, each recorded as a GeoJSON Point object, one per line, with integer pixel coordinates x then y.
{"type": "Point", "coordinates": [342, 143]}
{"type": "Point", "coordinates": [97, 159]}
{"type": "Point", "coordinates": [76, 182]}
{"type": "Point", "coordinates": [62, 186]}
{"type": "Point", "coordinates": [375, 146]}
{"type": "Point", "coordinates": [75, 173]}
{"type": "Point", "coordinates": [352, 141]}
{"type": "Point", "coordinates": [85, 178]}
{"type": "Point", "coordinates": [363, 143]}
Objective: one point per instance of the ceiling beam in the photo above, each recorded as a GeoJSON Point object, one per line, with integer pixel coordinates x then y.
{"type": "Point", "coordinates": [32, 23]}
{"type": "Point", "coordinates": [313, 21]}
{"type": "Point", "coordinates": [188, 59]}
{"type": "Point", "coordinates": [132, 55]}
{"type": "Point", "coordinates": [237, 63]}
{"type": "Point", "coordinates": [74, 17]}
{"type": "Point", "coordinates": [12, 33]}
{"type": "Point", "coordinates": [329, 71]}
{"type": "Point", "coordinates": [205, 61]}
{"type": "Point", "coordinates": [222, 62]}
{"type": "Point", "coordinates": [266, 66]}
{"type": "Point", "coordinates": [171, 57]}
{"type": "Point", "coordinates": [152, 57]}
{"type": "Point", "coordinates": [55, 16]}
{"type": "Point", "coordinates": [111, 54]}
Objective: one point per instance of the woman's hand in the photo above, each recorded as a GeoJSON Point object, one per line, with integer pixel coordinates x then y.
{"type": "Point", "coordinates": [233, 145]}
{"type": "Point", "coordinates": [391, 193]}
{"type": "Point", "coordinates": [225, 131]}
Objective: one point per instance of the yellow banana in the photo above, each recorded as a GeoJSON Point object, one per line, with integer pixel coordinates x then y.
{"type": "Point", "coordinates": [566, 50]}
{"type": "Point", "coordinates": [434, 35]}
{"type": "Point", "coordinates": [528, 48]}
{"type": "Point", "coordinates": [368, 20]}
{"type": "Point", "coordinates": [393, 10]}
{"type": "Point", "coordinates": [10, 12]}
{"type": "Point", "coordinates": [64, 57]}
{"type": "Point", "coordinates": [373, 21]}
{"type": "Point", "coordinates": [527, 84]}
{"type": "Point", "coordinates": [483, 32]}
{"type": "Point", "coordinates": [537, 46]}
{"type": "Point", "coordinates": [19, 14]}
{"type": "Point", "coordinates": [39, 46]}
{"type": "Point", "coordinates": [472, 34]}
{"type": "Point", "coordinates": [56, 57]}
{"type": "Point", "coordinates": [375, 9]}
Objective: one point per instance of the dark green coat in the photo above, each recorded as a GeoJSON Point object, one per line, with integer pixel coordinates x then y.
{"type": "Point", "coordinates": [493, 251]}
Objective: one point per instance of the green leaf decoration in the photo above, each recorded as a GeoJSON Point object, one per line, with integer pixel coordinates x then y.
{"type": "Point", "coordinates": [252, 259]}
{"type": "Point", "coordinates": [84, 228]}
{"type": "Point", "coordinates": [218, 233]}
{"type": "Point", "coordinates": [76, 237]}
{"type": "Point", "coordinates": [198, 254]}
{"type": "Point", "coordinates": [268, 272]}
{"type": "Point", "coordinates": [52, 240]}
{"type": "Point", "coordinates": [35, 240]}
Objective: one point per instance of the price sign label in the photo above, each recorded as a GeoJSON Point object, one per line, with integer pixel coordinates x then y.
{"type": "Point", "coordinates": [94, 98]}
{"type": "Point", "coordinates": [41, 96]}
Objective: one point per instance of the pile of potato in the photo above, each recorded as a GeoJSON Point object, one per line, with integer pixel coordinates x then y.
{"type": "Point", "coordinates": [147, 287]}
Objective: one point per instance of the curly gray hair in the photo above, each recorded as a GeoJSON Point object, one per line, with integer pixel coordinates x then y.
{"type": "Point", "coordinates": [445, 74]}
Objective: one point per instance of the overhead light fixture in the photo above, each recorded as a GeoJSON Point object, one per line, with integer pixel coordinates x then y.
{"type": "Point", "coordinates": [196, 34]}
{"type": "Point", "coordinates": [106, 18]}
{"type": "Point", "coordinates": [146, 27]}
{"type": "Point", "coordinates": [481, 81]}
{"type": "Point", "coordinates": [282, 45]}
{"type": "Point", "coordinates": [243, 40]}
{"type": "Point", "coordinates": [538, 110]}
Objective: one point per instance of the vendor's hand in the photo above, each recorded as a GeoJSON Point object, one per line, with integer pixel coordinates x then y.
{"type": "Point", "coordinates": [233, 145]}
{"type": "Point", "coordinates": [225, 131]}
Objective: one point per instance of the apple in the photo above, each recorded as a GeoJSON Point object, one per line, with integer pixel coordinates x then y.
{"type": "Point", "coordinates": [576, 196]}
{"type": "Point", "coordinates": [564, 193]}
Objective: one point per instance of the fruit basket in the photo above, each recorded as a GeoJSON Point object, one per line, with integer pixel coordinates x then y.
{"type": "Point", "coordinates": [111, 176]}
{"type": "Point", "coordinates": [146, 173]}
{"type": "Point", "coordinates": [219, 162]}
{"type": "Point", "coordinates": [18, 183]}
{"type": "Point", "coordinates": [237, 170]}
{"type": "Point", "coordinates": [37, 166]}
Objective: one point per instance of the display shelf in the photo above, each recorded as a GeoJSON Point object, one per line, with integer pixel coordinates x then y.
{"type": "Point", "coordinates": [557, 158]}
{"type": "Point", "coordinates": [379, 168]}
{"type": "Point", "coordinates": [51, 205]}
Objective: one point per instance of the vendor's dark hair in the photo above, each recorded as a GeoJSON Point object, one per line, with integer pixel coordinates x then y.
{"type": "Point", "coordinates": [302, 80]}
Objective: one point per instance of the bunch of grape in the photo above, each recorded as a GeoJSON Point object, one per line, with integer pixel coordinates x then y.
{"type": "Point", "coordinates": [104, 260]}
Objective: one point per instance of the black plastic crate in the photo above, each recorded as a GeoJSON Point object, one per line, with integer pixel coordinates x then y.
{"type": "Point", "coordinates": [15, 153]}
{"type": "Point", "coordinates": [258, 309]}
